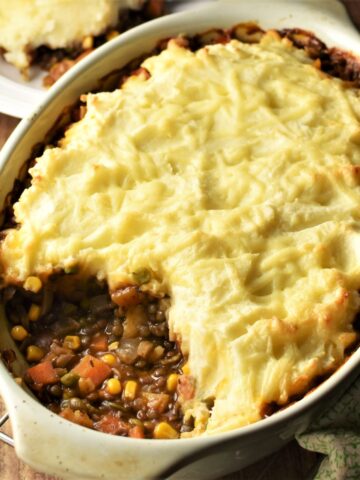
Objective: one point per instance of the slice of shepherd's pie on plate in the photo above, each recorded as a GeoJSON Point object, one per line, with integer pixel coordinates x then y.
{"type": "Point", "coordinates": [55, 34]}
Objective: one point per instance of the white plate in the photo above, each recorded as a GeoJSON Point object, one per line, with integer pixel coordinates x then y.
{"type": "Point", "coordinates": [19, 97]}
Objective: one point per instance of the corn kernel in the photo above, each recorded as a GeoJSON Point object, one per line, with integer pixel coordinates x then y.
{"type": "Point", "coordinates": [34, 312]}
{"type": "Point", "coordinates": [19, 333]}
{"type": "Point", "coordinates": [72, 341]}
{"type": "Point", "coordinates": [33, 284]}
{"type": "Point", "coordinates": [88, 42]}
{"type": "Point", "coordinates": [165, 431]}
{"type": "Point", "coordinates": [186, 369]}
{"type": "Point", "coordinates": [113, 386]}
{"type": "Point", "coordinates": [112, 34]}
{"type": "Point", "coordinates": [172, 381]}
{"type": "Point", "coordinates": [34, 353]}
{"type": "Point", "coordinates": [109, 359]}
{"type": "Point", "coordinates": [113, 346]}
{"type": "Point", "coordinates": [130, 390]}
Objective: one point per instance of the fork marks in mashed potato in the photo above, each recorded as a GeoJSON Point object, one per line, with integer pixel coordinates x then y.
{"type": "Point", "coordinates": [231, 173]}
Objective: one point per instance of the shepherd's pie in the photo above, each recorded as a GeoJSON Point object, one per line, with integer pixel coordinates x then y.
{"type": "Point", "coordinates": [230, 176]}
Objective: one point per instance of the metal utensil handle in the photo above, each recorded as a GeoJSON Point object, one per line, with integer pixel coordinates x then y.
{"type": "Point", "coordinates": [3, 436]}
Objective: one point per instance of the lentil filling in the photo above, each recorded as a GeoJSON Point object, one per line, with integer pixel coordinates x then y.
{"type": "Point", "coordinates": [102, 361]}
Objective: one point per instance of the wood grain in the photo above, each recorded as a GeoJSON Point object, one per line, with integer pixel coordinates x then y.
{"type": "Point", "coordinates": [353, 8]}
{"type": "Point", "coordinates": [7, 125]}
{"type": "Point", "coordinates": [290, 463]}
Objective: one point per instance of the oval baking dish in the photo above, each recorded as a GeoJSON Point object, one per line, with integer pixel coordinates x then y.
{"type": "Point", "coordinates": [88, 454]}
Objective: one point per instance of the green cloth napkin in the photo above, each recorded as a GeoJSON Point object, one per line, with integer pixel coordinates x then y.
{"type": "Point", "coordinates": [336, 434]}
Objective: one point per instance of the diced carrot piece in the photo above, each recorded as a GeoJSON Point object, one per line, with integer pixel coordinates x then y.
{"type": "Point", "coordinates": [93, 368]}
{"type": "Point", "coordinates": [155, 8]}
{"type": "Point", "coordinates": [112, 424]}
{"type": "Point", "coordinates": [186, 387]}
{"type": "Point", "coordinates": [43, 373]}
{"type": "Point", "coordinates": [77, 416]}
{"type": "Point", "coordinates": [157, 401]}
{"type": "Point", "coordinates": [127, 296]}
{"type": "Point", "coordinates": [99, 343]}
{"type": "Point", "coordinates": [136, 432]}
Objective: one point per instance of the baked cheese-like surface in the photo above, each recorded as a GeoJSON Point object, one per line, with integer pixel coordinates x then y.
{"type": "Point", "coordinates": [28, 24]}
{"type": "Point", "coordinates": [232, 173]}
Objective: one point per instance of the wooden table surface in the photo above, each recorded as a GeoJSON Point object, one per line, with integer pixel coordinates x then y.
{"type": "Point", "coordinates": [290, 463]}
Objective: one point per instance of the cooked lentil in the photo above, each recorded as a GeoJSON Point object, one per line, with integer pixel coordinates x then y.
{"type": "Point", "coordinates": [101, 360]}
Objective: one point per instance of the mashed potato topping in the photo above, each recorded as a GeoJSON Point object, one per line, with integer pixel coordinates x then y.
{"type": "Point", "coordinates": [232, 174]}
{"type": "Point", "coordinates": [28, 24]}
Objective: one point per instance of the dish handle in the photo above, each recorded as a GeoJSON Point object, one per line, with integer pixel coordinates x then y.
{"type": "Point", "coordinates": [4, 437]}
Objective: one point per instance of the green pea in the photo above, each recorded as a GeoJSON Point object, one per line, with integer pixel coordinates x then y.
{"type": "Point", "coordinates": [142, 276]}
{"type": "Point", "coordinates": [69, 379]}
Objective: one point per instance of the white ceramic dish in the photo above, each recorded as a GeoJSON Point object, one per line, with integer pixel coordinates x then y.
{"type": "Point", "coordinates": [19, 97]}
{"type": "Point", "coordinates": [53, 445]}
